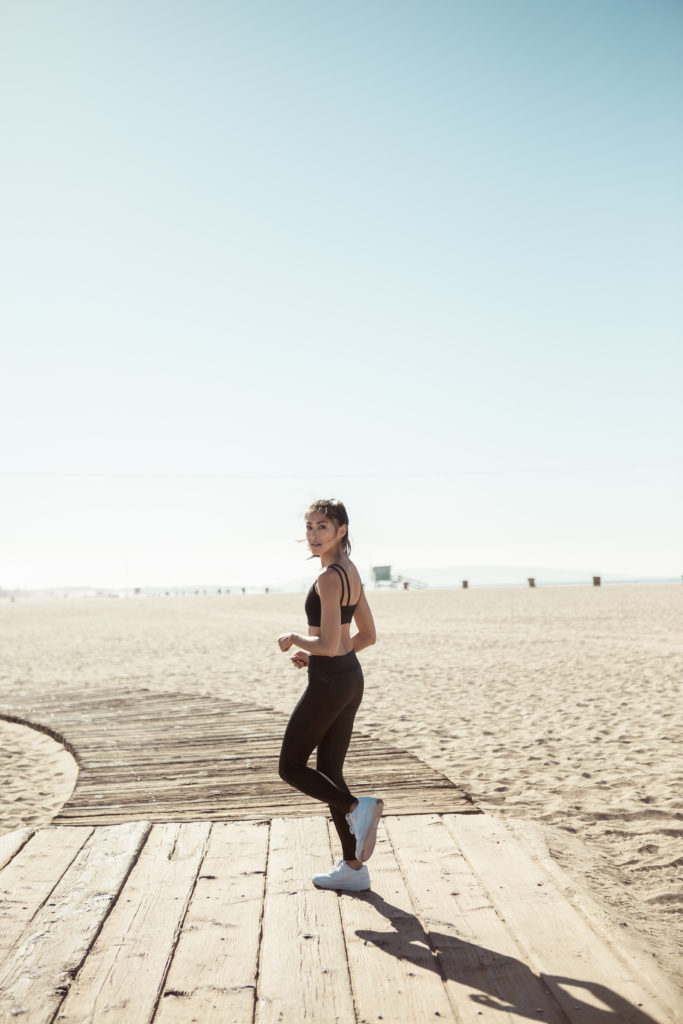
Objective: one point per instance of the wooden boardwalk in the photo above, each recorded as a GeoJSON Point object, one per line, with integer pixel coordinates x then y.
{"type": "Point", "coordinates": [174, 887]}
{"type": "Point", "coordinates": [162, 757]}
{"type": "Point", "coordinates": [216, 923]}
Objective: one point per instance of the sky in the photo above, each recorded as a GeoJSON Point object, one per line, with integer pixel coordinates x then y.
{"type": "Point", "coordinates": [423, 257]}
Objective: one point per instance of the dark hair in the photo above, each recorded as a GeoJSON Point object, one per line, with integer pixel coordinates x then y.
{"type": "Point", "coordinates": [333, 509]}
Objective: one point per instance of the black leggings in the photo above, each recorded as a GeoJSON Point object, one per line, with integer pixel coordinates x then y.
{"type": "Point", "coordinates": [323, 718]}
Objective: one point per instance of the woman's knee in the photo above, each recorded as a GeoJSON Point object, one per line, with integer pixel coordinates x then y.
{"type": "Point", "coordinates": [284, 768]}
{"type": "Point", "coordinates": [288, 766]}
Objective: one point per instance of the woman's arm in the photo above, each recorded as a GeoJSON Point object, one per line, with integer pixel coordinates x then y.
{"type": "Point", "coordinates": [329, 587]}
{"type": "Point", "coordinates": [366, 635]}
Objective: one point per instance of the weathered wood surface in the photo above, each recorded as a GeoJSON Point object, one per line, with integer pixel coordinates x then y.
{"type": "Point", "coordinates": [125, 971]}
{"type": "Point", "coordinates": [37, 970]}
{"type": "Point", "coordinates": [479, 957]}
{"type": "Point", "coordinates": [394, 973]}
{"type": "Point", "coordinates": [28, 879]}
{"type": "Point", "coordinates": [11, 843]}
{"type": "Point", "coordinates": [184, 757]}
{"type": "Point", "coordinates": [220, 922]}
{"type": "Point", "coordinates": [557, 941]}
{"type": "Point", "coordinates": [303, 971]}
{"type": "Point", "coordinates": [212, 977]}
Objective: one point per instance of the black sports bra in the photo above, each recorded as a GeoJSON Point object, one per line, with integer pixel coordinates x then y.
{"type": "Point", "coordinates": [313, 608]}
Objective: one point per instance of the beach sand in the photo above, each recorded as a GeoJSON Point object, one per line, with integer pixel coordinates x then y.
{"type": "Point", "coordinates": [37, 777]}
{"type": "Point", "coordinates": [558, 708]}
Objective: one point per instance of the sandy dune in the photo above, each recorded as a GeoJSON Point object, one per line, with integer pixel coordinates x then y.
{"type": "Point", "coordinates": [559, 706]}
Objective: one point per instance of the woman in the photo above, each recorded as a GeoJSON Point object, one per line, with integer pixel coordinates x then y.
{"type": "Point", "coordinates": [324, 716]}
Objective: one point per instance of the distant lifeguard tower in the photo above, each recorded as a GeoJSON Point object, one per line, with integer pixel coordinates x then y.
{"type": "Point", "coordinates": [382, 576]}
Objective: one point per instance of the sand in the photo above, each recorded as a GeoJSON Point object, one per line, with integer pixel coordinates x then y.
{"type": "Point", "coordinates": [37, 777]}
{"type": "Point", "coordinates": [558, 708]}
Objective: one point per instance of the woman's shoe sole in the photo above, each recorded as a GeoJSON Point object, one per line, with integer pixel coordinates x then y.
{"type": "Point", "coordinates": [364, 852]}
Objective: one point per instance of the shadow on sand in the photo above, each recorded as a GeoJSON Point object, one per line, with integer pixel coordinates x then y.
{"type": "Point", "coordinates": [505, 983]}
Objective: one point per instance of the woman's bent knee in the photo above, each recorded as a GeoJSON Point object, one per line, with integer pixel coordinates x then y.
{"type": "Point", "coordinates": [287, 770]}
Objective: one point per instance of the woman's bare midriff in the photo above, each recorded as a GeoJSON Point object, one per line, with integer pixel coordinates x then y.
{"type": "Point", "coordinates": [345, 645]}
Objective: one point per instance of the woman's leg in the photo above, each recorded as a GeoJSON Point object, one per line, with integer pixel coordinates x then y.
{"type": "Point", "coordinates": [331, 754]}
{"type": "Point", "coordinates": [323, 702]}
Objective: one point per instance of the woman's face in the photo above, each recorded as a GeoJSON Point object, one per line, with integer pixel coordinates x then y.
{"type": "Point", "coordinates": [322, 534]}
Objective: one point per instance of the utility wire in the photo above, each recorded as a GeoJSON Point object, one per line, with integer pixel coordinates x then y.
{"type": "Point", "coordinates": [44, 474]}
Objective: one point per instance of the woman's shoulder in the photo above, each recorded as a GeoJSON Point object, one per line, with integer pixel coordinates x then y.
{"type": "Point", "coordinates": [332, 574]}
{"type": "Point", "coordinates": [328, 572]}
{"type": "Point", "coordinates": [346, 581]}
{"type": "Point", "coordinates": [333, 569]}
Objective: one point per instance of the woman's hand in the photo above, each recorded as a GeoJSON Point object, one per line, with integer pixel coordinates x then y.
{"type": "Point", "coordinates": [300, 659]}
{"type": "Point", "coordinates": [285, 640]}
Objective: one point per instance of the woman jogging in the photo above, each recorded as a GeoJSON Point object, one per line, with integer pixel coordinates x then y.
{"type": "Point", "coordinates": [324, 716]}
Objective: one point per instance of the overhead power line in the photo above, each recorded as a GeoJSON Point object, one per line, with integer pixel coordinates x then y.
{"type": "Point", "coordinates": [536, 471]}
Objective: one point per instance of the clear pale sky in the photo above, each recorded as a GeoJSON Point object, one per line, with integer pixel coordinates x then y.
{"type": "Point", "coordinates": [425, 257]}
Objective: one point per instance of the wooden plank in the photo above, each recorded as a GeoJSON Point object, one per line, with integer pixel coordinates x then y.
{"type": "Point", "coordinates": [29, 878]}
{"type": "Point", "coordinates": [303, 975]}
{"type": "Point", "coordinates": [46, 956]}
{"type": "Point", "coordinates": [212, 978]}
{"type": "Point", "coordinates": [234, 785]}
{"type": "Point", "coordinates": [260, 806]}
{"type": "Point", "coordinates": [169, 791]}
{"type": "Point", "coordinates": [229, 751]}
{"type": "Point", "coordinates": [11, 843]}
{"type": "Point", "coordinates": [215, 761]}
{"type": "Point", "coordinates": [394, 973]}
{"type": "Point", "coordinates": [225, 812]}
{"type": "Point", "coordinates": [486, 977]}
{"type": "Point", "coordinates": [586, 977]}
{"type": "Point", "coordinates": [229, 755]}
{"type": "Point", "coordinates": [236, 812]}
{"type": "Point", "coordinates": [122, 978]}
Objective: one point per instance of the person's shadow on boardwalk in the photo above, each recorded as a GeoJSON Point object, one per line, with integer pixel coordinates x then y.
{"type": "Point", "coordinates": [505, 983]}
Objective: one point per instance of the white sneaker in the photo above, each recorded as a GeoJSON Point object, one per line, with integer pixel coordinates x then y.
{"type": "Point", "coordinates": [343, 877]}
{"type": "Point", "coordinates": [363, 821]}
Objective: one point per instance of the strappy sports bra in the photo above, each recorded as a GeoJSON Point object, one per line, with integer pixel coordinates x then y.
{"type": "Point", "coordinates": [313, 608]}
